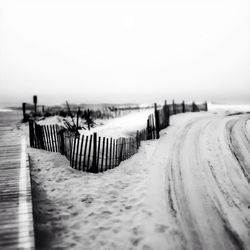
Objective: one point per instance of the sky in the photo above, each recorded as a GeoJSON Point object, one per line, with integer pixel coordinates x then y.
{"type": "Point", "coordinates": [124, 51]}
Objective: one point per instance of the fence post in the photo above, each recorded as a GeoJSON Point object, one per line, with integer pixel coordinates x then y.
{"type": "Point", "coordinates": [94, 168]}
{"type": "Point", "coordinates": [193, 107]}
{"type": "Point", "coordinates": [121, 151]}
{"type": "Point", "coordinates": [205, 105]}
{"type": "Point", "coordinates": [35, 101]}
{"type": "Point", "coordinates": [157, 127]}
{"type": "Point", "coordinates": [137, 139]}
{"type": "Point", "coordinates": [147, 130]}
{"type": "Point", "coordinates": [31, 132]}
{"type": "Point", "coordinates": [77, 117]}
{"type": "Point", "coordinates": [183, 107]}
{"type": "Point", "coordinates": [24, 110]}
{"type": "Point", "coordinates": [61, 136]}
{"type": "Point", "coordinates": [174, 109]}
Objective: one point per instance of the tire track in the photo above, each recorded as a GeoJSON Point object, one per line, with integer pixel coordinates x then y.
{"type": "Point", "coordinates": [203, 184]}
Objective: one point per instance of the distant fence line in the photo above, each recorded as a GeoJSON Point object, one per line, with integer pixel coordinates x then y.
{"type": "Point", "coordinates": [92, 153]}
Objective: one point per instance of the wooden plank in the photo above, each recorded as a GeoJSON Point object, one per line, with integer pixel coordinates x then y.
{"type": "Point", "coordinates": [80, 153]}
{"type": "Point", "coordinates": [103, 150]}
{"type": "Point", "coordinates": [89, 155]}
{"type": "Point", "coordinates": [106, 160]}
{"type": "Point", "coordinates": [52, 138]}
{"type": "Point", "coordinates": [55, 137]}
{"type": "Point", "coordinates": [116, 152]}
{"type": "Point", "coordinates": [44, 138]}
{"type": "Point", "coordinates": [85, 153]}
{"type": "Point", "coordinates": [72, 160]}
{"type": "Point", "coordinates": [16, 219]}
{"type": "Point", "coordinates": [110, 154]}
{"type": "Point", "coordinates": [93, 167]}
{"type": "Point", "coordinates": [98, 153]}
{"type": "Point", "coordinates": [47, 137]}
{"type": "Point", "coordinates": [77, 153]}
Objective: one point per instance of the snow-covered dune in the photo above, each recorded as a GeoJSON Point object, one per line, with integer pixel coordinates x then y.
{"type": "Point", "coordinates": [188, 190]}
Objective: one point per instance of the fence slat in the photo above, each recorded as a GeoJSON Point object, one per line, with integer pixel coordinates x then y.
{"type": "Point", "coordinates": [47, 136]}
{"type": "Point", "coordinates": [77, 153]}
{"type": "Point", "coordinates": [80, 153]}
{"type": "Point", "coordinates": [110, 154]}
{"type": "Point", "coordinates": [98, 153]}
{"type": "Point", "coordinates": [103, 150]}
{"type": "Point", "coordinates": [90, 144]}
{"type": "Point", "coordinates": [106, 160]}
{"type": "Point", "coordinates": [116, 152]}
{"type": "Point", "coordinates": [44, 138]}
{"type": "Point", "coordinates": [85, 154]}
{"type": "Point", "coordinates": [113, 155]}
{"type": "Point", "coordinates": [73, 153]}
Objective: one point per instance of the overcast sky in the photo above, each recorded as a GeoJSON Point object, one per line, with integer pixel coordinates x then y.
{"type": "Point", "coordinates": [124, 51]}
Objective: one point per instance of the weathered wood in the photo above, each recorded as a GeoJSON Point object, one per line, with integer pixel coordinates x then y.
{"type": "Point", "coordinates": [183, 107]}
{"type": "Point", "coordinates": [24, 110]}
{"type": "Point", "coordinates": [113, 155]}
{"type": "Point", "coordinates": [98, 153]}
{"type": "Point", "coordinates": [157, 125]}
{"type": "Point", "coordinates": [35, 103]}
{"type": "Point", "coordinates": [93, 168]}
{"type": "Point", "coordinates": [107, 148]}
{"type": "Point", "coordinates": [90, 144]}
{"type": "Point", "coordinates": [16, 219]}
{"type": "Point", "coordinates": [31, 133]}
{"type": "Point", "coordinates": [103, 150]}
{"type": "Point", "coordinates": [206, 109]}
{"type": "Point", "coordinates": [110, 154]}
{"type": "Point", "coordinates": [80, 154]}
{"type": "Point", "coordinates": [116, 152]}
{"type": "Point", "coordinates": [174, 108]}
{"type": "Point", "coordinates": [48, 138]}
{"type": "Point", "coordinates": [85, 154]}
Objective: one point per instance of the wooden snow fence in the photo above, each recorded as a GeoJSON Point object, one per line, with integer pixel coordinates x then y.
{"type": "Point", "coordinates": [92, 153]}
{"type": "Point", "coordinates": [89, 153]}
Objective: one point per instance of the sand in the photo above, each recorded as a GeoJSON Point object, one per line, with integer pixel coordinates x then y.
{"type": "Point", "coordinates": [187, 190]}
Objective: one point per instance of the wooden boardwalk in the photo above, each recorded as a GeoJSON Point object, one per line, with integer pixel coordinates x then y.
{"type": "Point", "coordinates": [16, 218]}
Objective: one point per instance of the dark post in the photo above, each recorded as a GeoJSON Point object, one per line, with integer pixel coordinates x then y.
{"type": "Point", "coordinates": [193, 107]}
{"type": "Point", "coordinates": [206, 106]}
{"type": "Point", "coordinates": [43, 108]}
{"type": "Point", "coordinates": [31, 132]}
{"type": "Point", "coordinates": [77, 119]}
{"type": "Point", "coordinates": [121, 150]}
{"type": "Point", "coordinates": [174, 109]}
{"type": "Point", "coordinates": [183, 107]}
{"type": "Point", "coordinates": [157, 127]}
{"type": "Point", "coordinates": [94, 168]}
{"type": "Point", "coordinates": [35, 101]}
{"type": "Point", "coordinates": [137, 139]}
{"type": "Point", "coordinates": [148, 130]}
{"type": "Point", "coordinates": [24, 111]}
{"type": "Point", "coordinates": [61, 136]}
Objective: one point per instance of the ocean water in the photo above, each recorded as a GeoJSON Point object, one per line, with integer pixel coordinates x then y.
{"type": "Point", "coordinates": [9, 117]}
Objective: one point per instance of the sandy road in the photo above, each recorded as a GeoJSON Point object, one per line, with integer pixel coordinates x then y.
{"type": "Point", "coordinates": [208, 181]}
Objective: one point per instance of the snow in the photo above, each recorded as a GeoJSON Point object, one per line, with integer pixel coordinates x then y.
{"type": "Point", "coordinates": [187, 190]}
